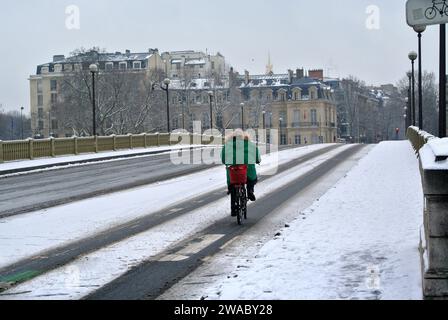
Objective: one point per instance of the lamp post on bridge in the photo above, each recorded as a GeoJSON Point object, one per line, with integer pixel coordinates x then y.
{"type": "Point", "coordinates": [210, 95]}
{"type": "Point", "coordinates": [420, 30]}
{"type": "Point", "coordinates": [166, 88]}
{"type": "Point", "coordinates": [413, 56]}
{"type": "Point", "coordinates": [21, 120]}
{"type": "Point", "coordinates": [242, 115]}
{"type": "Point", "coordinates": [93, 70]}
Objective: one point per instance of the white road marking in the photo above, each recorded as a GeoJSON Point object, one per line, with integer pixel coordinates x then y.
{"type": "Point", "coordinates": [199, 246]}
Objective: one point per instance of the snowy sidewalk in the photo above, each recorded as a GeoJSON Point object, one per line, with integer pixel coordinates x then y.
{"type": "Point", "coordinates": [359, 241]}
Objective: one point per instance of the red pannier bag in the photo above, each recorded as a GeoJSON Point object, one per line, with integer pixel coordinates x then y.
{"type": "Point", "coordinates": [238, 174]}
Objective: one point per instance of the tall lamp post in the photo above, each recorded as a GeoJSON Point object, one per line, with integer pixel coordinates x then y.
{"type": "Point", "coordinates": [242, 115]}
{"type": "Point", "coordinates": [210, 95]}
{"type": "Point", "coordinates": [264, 120]}
{"type": "Point", "coordinates": [413, 56]}
{"type": "Point", "coordinates": [420, 30]}
{"type": "Point", "coordinates": [93, 70]}
{"type": "Point", "coordinates": [280, 120]}
{"type": "Point", "coordinates": [409, 99]}
{"type": "Point", "coordinates": [21, 120]}
{"type": "Point", "coordinates": [166, 82]}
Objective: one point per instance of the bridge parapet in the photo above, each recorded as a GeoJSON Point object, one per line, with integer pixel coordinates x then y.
{"type": "Point", "coordinates": [433, 156]}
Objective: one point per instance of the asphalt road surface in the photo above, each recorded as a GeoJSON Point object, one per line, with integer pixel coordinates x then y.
{"type": "Point", "coordinates": [40, 190]}
{"type": "Point", "coordinates": [163, 275]}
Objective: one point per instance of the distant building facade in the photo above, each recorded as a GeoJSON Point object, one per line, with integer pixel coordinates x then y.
{"type": "Point", "coordinates": [45, 85]}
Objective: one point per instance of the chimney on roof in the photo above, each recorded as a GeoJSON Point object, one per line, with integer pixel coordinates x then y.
{"type": "Point", "coordinates": [128, 52]}
{"type": "Point", "coordinates": [58, 58]}
{"type": "Point", "coordinates": [316, 74]}
{"type": "Point", "coordinates": [246, 77]}
{"type": "Point", "coordinates": [231, 77]}
{"type": "Point", "coordinates": [290, 75]}
{"type": "Point", "coordinates": [300, 73]}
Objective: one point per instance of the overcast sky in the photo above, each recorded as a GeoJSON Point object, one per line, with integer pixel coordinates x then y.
{"type": "Point", "coordinates": [328, 34]}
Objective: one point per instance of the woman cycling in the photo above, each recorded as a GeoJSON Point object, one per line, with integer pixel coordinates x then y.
{"type": "Point", "coordinates": [239, 150]}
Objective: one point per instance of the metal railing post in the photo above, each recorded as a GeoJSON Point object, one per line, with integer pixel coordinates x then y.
{"type": "Point", "coordinates": [1, 151]}
{"type": "Point", "coordinates": [52, 147]}
{"type": "Point", "coordinates": [75, 145]}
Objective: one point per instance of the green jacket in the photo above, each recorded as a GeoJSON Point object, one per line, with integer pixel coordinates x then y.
{"type": "Point", "coordinates": [239, 151]}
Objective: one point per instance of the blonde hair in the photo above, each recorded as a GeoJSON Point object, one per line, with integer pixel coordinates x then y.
{"type": "Point", "coordinates": [239, 134]}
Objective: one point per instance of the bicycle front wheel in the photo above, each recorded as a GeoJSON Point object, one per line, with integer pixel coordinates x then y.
{"type": "Point", "coordinates": [431, 13]}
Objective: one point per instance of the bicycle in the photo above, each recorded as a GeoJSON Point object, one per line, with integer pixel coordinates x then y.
{"type": "Point", "coordinates": [238, 181]}
{"type": "Point", "coordinates": [431, 12]}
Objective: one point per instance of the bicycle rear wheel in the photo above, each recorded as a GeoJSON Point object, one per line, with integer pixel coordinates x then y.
{"type": "Point", "coordinates": [239, 205]}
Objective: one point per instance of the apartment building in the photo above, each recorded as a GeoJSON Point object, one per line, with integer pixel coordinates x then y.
{"type": "Point", "coordinates": [45, 85]}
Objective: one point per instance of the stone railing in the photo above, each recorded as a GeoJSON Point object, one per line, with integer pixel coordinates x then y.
{"type": "Point", "coordinates": [433, 156]}
{"type": "Point", "coordinates": [418, 138]}
{"type": "Point", "coordinates": [31, 148]}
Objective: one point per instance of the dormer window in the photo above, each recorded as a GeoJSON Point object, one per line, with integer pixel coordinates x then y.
{"type": "Point", "coordinates": [44, 70]}
{"type": "Point", "coordinates": [57, 68]}
{"type": "Point", "coordinates": [123, 65]}
{"type": "Point", "coordinates": [109, 66]}
{"type": "Point", "coordinates": [137, 65]}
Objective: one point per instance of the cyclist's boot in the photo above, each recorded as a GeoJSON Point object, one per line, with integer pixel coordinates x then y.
{"type": "Point", "coordinates": [250, 192]}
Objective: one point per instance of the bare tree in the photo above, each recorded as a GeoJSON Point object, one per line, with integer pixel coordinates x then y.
{"type": "Point", "coordinates": [430, 98]}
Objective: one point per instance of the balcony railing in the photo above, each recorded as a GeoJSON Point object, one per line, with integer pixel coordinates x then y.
{"type": "Point", "coordinates": [305, 124]}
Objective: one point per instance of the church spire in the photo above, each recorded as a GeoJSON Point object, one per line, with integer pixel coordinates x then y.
{"type": "Point", "coordinates": [269, 66]}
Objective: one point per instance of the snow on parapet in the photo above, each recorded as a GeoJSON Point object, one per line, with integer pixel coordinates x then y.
{"type": "Point", "coordinates": [434, 155]}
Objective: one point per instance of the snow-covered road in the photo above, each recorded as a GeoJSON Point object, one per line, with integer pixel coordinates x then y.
{"type": "Point", "coordinates": [358, 241]}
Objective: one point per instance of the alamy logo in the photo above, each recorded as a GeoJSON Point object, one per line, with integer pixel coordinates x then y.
{"type": "Point", "coordinates": [72, 20]}
{"type": "Point", "coordinates": [373, 17]}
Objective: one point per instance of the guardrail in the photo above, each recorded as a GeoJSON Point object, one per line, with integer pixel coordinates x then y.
{"type": "Point", "coordinates": [433, 154]}
{"type": "Point", "coordinates": [52, 147]}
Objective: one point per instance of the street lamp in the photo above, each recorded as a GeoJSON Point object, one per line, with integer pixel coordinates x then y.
{"type": "Point", "coordinates": [210, 95]}
{"type": "Point", "coordinates": [21, 120]}
{"type": "Point", "coordinates": [412, 56]}
{"type": "Point", "coordinates": [93, 70]}
{"type": "Point", "coordinates": [406, 116]}
{"type": "Point", "coordinates": [280, 125]}
{"type": "Point", "coordinates": [166, 82]}
{"type": "Point", "coordinates": [242, 115]}
{"type": "Point", "coordinates": [264, 120]}
{"type": "Point", "coordinates": [420, 30]}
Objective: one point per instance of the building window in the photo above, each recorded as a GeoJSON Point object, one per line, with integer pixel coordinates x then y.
{"type": "Point", "coordinates": [137, 65]}
{"type": "Point", "coordinates": [53, 85]}
{"type": "Point", "coordinates": [39, 86]}
{"type": "Point", "coordinates": [298, 139]}
{"type": "Point", "coordinates": [109, 66]}
{"type": "Point", "coordinates": [40, 100]}
{"type": "Point", "coordinates": [282, 96]}
{"type": "Point", "coordinates": [296, 117]}
{"type": "Point", "coordinates": [213, 65]}
{"type": "Point", "coordinates": [123, 65]}
{"type": "Point", "coordinates": [40, 113]}
{"type": "Point", "coordinates": [283, 139]}
{"type": "Point", "coordinates": [41, 125]}
{"type": "Point", "coordinates": [54, 124]}
{"type": "Point", "coordinates": [314, 117]}
{"type": "Point", "coordinates": [54, 98]}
